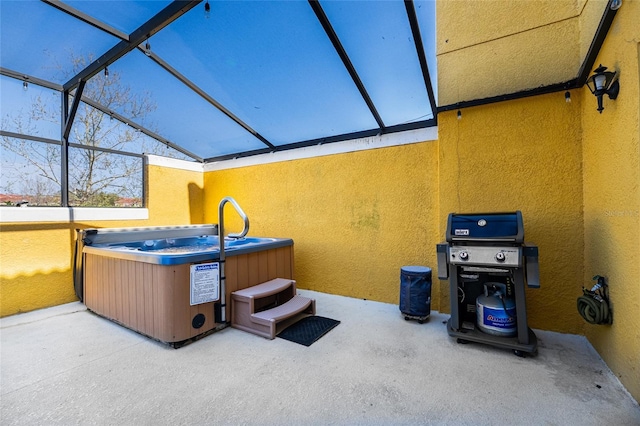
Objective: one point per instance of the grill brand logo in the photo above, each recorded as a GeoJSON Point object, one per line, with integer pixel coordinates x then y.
{"type": "Point", "coordinates": [462, 232]}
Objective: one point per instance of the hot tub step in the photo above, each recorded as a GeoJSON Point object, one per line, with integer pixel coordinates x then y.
{"type": "Point", "coordinates": [268, 288]}
{"type": "Point", "coordinates": [264, 308]}
{"type": "Point", "coordinates": [295, 306]}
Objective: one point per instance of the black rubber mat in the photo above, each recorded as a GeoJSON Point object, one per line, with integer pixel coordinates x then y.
{"type": "Point", "coordinates": [308, 330]}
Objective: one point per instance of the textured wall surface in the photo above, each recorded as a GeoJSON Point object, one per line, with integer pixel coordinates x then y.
{"type": "Point", "coordinates": [355, 218]}
{"type": "Point", "coordinates": [611, 145]}
{"type": "Point", "coordinates": [36, 259]}
{"type": "Point", "coordinates": [473, 22]}
{"type": "Point", "coordinates": [497, 47]}
{"type": "Point", "coordinates": [176, 197]}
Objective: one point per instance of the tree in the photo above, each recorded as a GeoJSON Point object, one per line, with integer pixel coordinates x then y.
{"type": "Point", "coordinates": [96, 177]}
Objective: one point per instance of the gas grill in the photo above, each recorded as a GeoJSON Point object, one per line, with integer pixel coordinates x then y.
{"type": "Point", "coordinates": [488, 264]}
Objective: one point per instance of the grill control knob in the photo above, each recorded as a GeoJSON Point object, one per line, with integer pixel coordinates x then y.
{"type": "Point", "coordinates": [464, 255]}
{"type": "Point", "coordinates": [500, 257]}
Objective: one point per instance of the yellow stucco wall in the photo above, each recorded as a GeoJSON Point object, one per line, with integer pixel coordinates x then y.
{"type": "Point", "coordinates": [590, 16]}
{"type": "Point", "coordinates": [355, 218]}
{"type": "Point", "coordinates": [36, 258]}
{"type": "Point", "coordinates": [611, 142]}
{"type": "Point", "coordinates": [473, 22]}
{"type": "Point", "coordinates": [175, 196]}
{"type": "Point", "coordinates": [497, 47]}
{"type": "Point", "coordinates": [35, 264]}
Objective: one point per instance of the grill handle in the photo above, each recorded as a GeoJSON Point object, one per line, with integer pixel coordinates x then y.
{"type": "Point", "coordinates": [531, 265]}
{"type": "Point", "coordinates": [442, 251]}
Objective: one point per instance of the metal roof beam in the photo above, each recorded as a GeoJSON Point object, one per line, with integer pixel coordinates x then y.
{"type": "Point", "coordinates": [30, 79]}
{"type": "Point", "coordinates": [163, 18]}
{"type": "Point", "coordinates": [34, 138]}
{"type": "Point", "coordinates": [107, 150]}
{"type": "Point", "coordinates": [596, 43]}
{"type": "Point", "coordinates": [417, 39]}
{"type": "Point", "coordinates": [74, 109]}
{"type": "Point", "coordinates": [329, 139]}
{"type": "Point", "coordinates": [543, 90]}
{"type": "Point", "coordinates": [86, 18]}
{"type": "Point", "coordinates": [328, 28]}
{"type": "Point", "coordinates": [184, 80]}
{"type": "Point", "coordinates": [139, 127]}
{"type": "Point", "coordinates": [49, 85]}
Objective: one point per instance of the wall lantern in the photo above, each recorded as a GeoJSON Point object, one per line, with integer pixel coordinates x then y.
{"type": "Point", "coordinates": [602, 82]}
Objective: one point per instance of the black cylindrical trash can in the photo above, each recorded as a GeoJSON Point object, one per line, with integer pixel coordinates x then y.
{"type": "Point", "coordinates": [415, 292]}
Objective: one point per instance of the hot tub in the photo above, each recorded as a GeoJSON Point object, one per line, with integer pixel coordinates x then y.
{"type": "Point", "coordinates": [165, 282]}
{"type": "Point", "coordinates": [177, 251]}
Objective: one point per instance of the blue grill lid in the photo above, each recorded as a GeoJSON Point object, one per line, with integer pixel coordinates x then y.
{"type": "Point", "coordinates": [498, 227]}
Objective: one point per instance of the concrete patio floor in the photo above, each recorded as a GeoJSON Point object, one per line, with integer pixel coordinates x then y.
{"type": "Point", "coordinates": [65, 365]}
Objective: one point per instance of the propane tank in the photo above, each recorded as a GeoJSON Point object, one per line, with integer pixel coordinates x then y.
{"type": "Point", "coordinates": [496, 314]}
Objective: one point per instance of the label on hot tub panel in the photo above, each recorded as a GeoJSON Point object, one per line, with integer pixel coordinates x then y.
{"type": "Point", "coordinates": [205, 283]}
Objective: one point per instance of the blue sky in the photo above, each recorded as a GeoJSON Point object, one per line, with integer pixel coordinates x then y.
{"type": "Point", "coordinates": [269, 62]}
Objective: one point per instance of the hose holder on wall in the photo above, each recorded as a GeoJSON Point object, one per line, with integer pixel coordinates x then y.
{"type": "Point", "coordinates": [593, 305]}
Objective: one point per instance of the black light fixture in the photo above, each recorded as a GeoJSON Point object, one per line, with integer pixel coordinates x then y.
{"type": "Point", "coordinates": [602, 82]}
{"type": "Point", "coordinates": [106, 72]}
{"type": "Point", "coordinates": [207, 9]}
{"type": "Point", "coordinates": [25, 85]}
{"type": "Point", "coordinates": [147, 48]}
